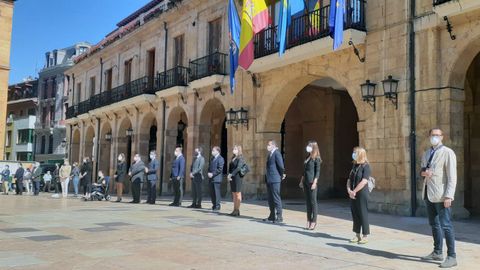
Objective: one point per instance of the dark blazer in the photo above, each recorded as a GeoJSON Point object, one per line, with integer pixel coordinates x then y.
{"type": "Point", "coordinates": [275, 167]}
{"type": "Point", "coordinates": [235, 166]}
{"type": "Point", "coordinates": [86, 168]}
{"type": "Point", "coordinates": [121, 171]}
{"type": "Point", "coordinates": [312, 170]}
{"type": "Point", "coordinates": [152, 170]}
{"type": "Point", "coordinates": [178, 167]}
{"type": "Point", "coordinates": [216, 168]}
{"type": "Point", "coordinates": [138, 171]}
{"type": "Point", "coordinates": [19, 174]}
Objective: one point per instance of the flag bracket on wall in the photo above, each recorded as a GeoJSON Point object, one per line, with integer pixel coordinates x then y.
{"type": "Point", "coordinates": [356, 51]}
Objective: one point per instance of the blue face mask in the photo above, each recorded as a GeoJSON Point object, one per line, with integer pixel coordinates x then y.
{"type": "Point", "coordinates": [354, 156]}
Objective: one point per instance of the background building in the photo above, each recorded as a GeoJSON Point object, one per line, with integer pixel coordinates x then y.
{"type": "Point", "coordinates": [50, 135]}
{"type": "Point", "coordinates": [22, 110]}
{"type": "Point", "coordinates": [6, 16]}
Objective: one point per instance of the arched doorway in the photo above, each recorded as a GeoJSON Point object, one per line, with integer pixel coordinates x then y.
{"type": "Point", "coordinates": [322, 111]}
{"type": "Point", "coordinates": [89, 142]}
{"type": "Point", "coordinates": [213, 132]}
{"type": "Point", "coordinates": [472, 137]}
{"type": "Point", "coordinates": [105, 149]}
{"type": "Point", "coordinates": [175, 135]}
{"type": "Point", "coordinates": [148, 135]}
{"type": "Point", "coordinates": [124, 145]}
{"type": "Point", "coordinates": [75, 146]}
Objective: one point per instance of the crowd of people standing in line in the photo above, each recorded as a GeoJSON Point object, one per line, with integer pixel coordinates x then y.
{"type": "Point", "coordinates": [438, 169]}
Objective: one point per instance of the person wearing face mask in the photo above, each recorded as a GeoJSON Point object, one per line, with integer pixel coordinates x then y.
{"type": "Point", "coordinates": [177, 176]}
{"type": "Point", "coordinates": [76, 178]}
{"type": "Point", "coordinates": [215, 177]}
{"type": "Point", "coordinates": [152, 178]}
{"type": "Point", "coordinates": [309, 182]}
{"type": "Point", "coordinates": [196, 174]}
{"type": "Point", "coordinates": [439, 169]}
{"type": "Point", "coordinates": [86, 175]}
{"type": "Point", "coordinates": [236, 179]}
{"type": "Point", "coordinates": [357, 188]}
{"type": "Point", "coordinates": [120, 175]}
{"type": "Point", "coordinates": [275, 173]}
{"type": "Point", "coordinates": [137, 173]}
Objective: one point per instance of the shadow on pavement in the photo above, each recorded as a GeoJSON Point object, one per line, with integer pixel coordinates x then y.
{"type": "Point", "coordinates": [319, 234]}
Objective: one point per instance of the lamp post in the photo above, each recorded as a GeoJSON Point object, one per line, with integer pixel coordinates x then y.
{"type": "Point", "coordinates": [390, 88]}
{"type": "Point", "coordinates": [368, 93]}
{"type": "Point", "coordinates": [242, 117]}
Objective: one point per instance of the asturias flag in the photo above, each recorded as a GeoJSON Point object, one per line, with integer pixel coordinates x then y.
{"type": "Point", "coordinates": [254, 19]}
{"type": "Point", "coordinates": [335, 21]}
{"type": "Point", "coordinates": [234, 34]}
{"type": "Point", "coordinates": [287, 9]}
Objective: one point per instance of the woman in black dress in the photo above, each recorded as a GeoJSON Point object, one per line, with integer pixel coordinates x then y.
{"type": "Point", "coordinates": [120, 176]}
{"type": "Point", "coordinates": [357, 188]}
{"type": "Point", "coordinates": [309, 183]}
{"type": "Point", "coordinates": [236, 179]}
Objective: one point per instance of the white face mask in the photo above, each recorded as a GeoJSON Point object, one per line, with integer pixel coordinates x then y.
{"type": "Point", "coordinates": [214, 153]}
{"type": "Point", "coordinates": [235, 152]}
{"type": "Point", "coordinates": [119, 158]}
{"type": "Point", "coordinates": [269, 148]}
{"type": "Point", "coordinates": [175, 153]}
{"type": "Point", "coordinates": [309, 149]}
{"type": "Point", "coordinates": [136, 159]}
{"type": "Point", "coordinates": [435, 140]}
{"type": "Point", "coordinates": [152, 156]}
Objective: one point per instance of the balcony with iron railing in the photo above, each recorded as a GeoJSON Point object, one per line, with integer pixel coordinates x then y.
{"type": "Point", "coordinates": [451, 8]}
{"type": "Point", "coordinates": [177, 76]}
{"type": "Point", "coordinates": [213, 64]}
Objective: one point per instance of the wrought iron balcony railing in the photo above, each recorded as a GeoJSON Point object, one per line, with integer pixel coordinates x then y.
{"type": "Point", "coordinates": [215, 63]}
{"type": "Point", "coordinates": [177, 76]}
{"type": "Point", "coordinates": [309, 27]}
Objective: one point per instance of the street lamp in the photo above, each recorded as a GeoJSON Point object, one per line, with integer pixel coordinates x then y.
{"type": "Point", "coordinates": [368, 93]}
{"type": "Point", "coordinates": [231, 116]}
{"type": "Point", "coordinates": [390, 88]}
{"type": "Point", "coordinates": [129, 132]}
{"type": "Point", "coordinates": [242, 116]}
{"type": "Point", "coordinates": [108, 137]}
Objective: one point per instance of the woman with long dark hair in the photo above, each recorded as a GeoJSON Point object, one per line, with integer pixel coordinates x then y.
{"type": "Point", "coordinates": [120, 176]}
{"type": "Point", "coordinates": [236, 178]}
{"type": "Point", "coordinates": [309, 182]}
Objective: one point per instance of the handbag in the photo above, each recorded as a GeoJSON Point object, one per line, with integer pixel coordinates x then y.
{"type": "Point", "coordinates": [370, 180]}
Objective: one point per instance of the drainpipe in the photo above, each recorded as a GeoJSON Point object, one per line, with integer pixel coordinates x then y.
{"type": "Point", "coordinates": [97, 149]}
{"type": "Point", "coordinates": [165, 52]}
{"type": "Point", "coordinates": [164, 109]}
{"type": "Point", "coordinates": [101, 74]}
{"type": "Point", "coordinates": [413, 139]}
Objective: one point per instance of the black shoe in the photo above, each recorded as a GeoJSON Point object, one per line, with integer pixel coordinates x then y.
{"type": "Point", "coordinates": [192, 206]}
{"type": "Point", "coordinates": [198, 206]}
{"type": "Point", "coordinates": [118, 200]}
{"type": "Point", "coordinates": [131, 202]}
{"type": "Point", "coordinates": [216, 209]}
{"type": "Point", "coordinates": [151, 203]}
{"type": "Point", "coordinates": [174, 204]}
{"type": "Point", "coordinates": [278, 220]}
{"type": "Point", "coordinates": [268, 219]}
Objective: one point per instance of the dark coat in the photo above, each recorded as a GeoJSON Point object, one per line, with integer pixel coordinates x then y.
{"type": "Point", "coordinates": [121, 172]}
{"type": "Point", "coordinates": [234, 168]}
{"type": "Point", "coordinates": [216, 168]}
{"type": "Point", "coordinates": [311, 170]}
{"type": "Point", "coordinates": [275, 167]}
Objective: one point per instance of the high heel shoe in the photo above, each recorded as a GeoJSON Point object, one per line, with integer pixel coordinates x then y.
{"type": "Point", "coordinates": [307, 227]}
{"type": "Point", "coordinates": [313, 225]}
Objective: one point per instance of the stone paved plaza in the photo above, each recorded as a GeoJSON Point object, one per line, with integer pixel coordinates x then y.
{"type": "Point", "coordinates": [46, 233]}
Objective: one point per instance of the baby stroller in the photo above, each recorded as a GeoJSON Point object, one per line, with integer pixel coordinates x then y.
{"type": "Point", "coordinates": [100, 191]}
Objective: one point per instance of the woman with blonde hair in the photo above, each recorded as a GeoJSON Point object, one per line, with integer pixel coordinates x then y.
{"type": "Point", "coordinates": [357, 188]}
{"type": "Point", "coordinates": [309, 182]}
{"type": "Point", "coordinates": [64, 174]}
{"type": "Point", "coordinates": [236, 179]}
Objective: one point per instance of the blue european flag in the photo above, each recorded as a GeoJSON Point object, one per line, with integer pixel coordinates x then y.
{"type": "Point", "coordinates": [335, 22]}
{"type": "Point", "coordinates": [234, 34]}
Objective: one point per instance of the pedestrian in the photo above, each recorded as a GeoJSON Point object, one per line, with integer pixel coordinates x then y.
{"type": "Point", "coordinates": [76, 178]}
{"type": "Point", "coordinates": [235, 178]}
{"type": "Point", "coordinates": [152, 171]}
{"type": "Point", "coordinates": [86, 175]}
{"type": "Point", "coordinates": [56, 180]}
{"type": "Point", "coordinates": [47, 179]}
{"type": "Point", "coordinates": [137, 173]}
{"type": "Point", "coordinates": [215, 177]}
{"type": "Point", "coordinates": [309, 182]}
{"type": "Point", "coordinates": [177, 176]}
{"type": "Point", "coordinates": [6, 179]}
{"type": "Point", "coordinates": [357, 188]}
{"type": "Point", "coordinates": [196, 175]}
{"type": "Point", "coordinates": [27, 180]}
{"type": "Point", "coordinates": [439, 169]}
{"type": "Point", "coordinates": [64, 174]}
{"type": "Point", "coordinates": [275, 174]}
{"type": "Point", "coordinates": [120, 176]}
{"type": "Point", "coordinates": [36, 178]}
{"type": "Point", "coordinates": [18, 179]}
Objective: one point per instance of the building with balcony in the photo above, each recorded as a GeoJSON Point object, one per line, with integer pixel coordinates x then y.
{"type": "Point", "coordinates": [20, 124]}
{"type": "Point", "coordinates": [50, 134]}
{"type": "Point", "coordinates": [160, 80]}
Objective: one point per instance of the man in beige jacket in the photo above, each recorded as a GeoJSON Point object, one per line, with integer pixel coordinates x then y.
{"type": "Point", "coordinates": [439, 169]}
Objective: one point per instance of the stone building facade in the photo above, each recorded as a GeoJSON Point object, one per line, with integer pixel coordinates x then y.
{"type": "Point", "coordinates": [312, 92]}
{"type": "Point", "coordinates": [6, 16]}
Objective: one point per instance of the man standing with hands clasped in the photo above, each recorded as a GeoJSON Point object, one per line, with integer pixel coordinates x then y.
{"type": "Point", "coordinates": [439, 169]}
{"type": "Point", "coordinates": [275, 173]}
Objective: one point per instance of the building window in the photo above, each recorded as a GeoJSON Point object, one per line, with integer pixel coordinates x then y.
{"type": "Point", "coordinates": [24, 156]}
{"type": "Point", "coordinates": [92, 86]}
{"type": "Point", "coordinates": [8, 140]}
{"type": "Point", "coordinates": [45, 89]}
{"type": "Point", "coordinates": [7, 156]}
{"type": "Point", "coordinates": [128, 71]}
{"type": "Point", "coordinates": [54, 88]}
{"type": "Point", "coordinates": [214, 35]}
{"type": "Point", "coordinates": [25, 136]}
{"type": "Point", "coordinates": [77, 93]}
{"type": "Point", "coordinates": [32, 111]}
{"type": "Point", "coordinates": [42, 149]}
{"type": "Point", "coordinates": [179, 48]}
{"type": "Point", "coordinates": [108, 79]}
{"type": "Point", "coordinates": [50, 144]}
{"type": "Point", "coordinates": [52, 113]}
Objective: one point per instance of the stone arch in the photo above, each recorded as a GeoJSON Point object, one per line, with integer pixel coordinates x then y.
{"type": "Point", "coordinates": [75, 145]}
{"type": "Point", "coordinates": [459, 67]}
{"type": "Point", "coordinates": [148, 140]}
{"type": "Point", "coordinates": [89, 141]}
{"type": "Point", "coordinates": [105, 148]}
{"type": "Point", "coordinates": [125, 144]}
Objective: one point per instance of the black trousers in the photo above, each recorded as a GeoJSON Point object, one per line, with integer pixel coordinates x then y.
{"type": "Point", "coordinates": [178, 191]}
{"type": "Point", "coordinates": [151, 191]}
{"type": "Point", "coordinates": [136, 190]}
{"type": "Point", "coordinates": [19, 186]}
{"type": "Point", "coordinates": [274, 201]}
{"type": "Point", "coordinates": [215, 194]}
{"type": "Point", "coordinates": [197, 190]}
{"type": "Point", "coordinates": [311, 201]}
{"type": "Point", "coordinates": [359, 208]}
{"type": "Point", "coordinates": [47, 186]}
{"type": "Point", "coordinates": [36, 187]}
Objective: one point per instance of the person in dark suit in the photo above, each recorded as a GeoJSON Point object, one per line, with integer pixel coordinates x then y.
{"type": "Point", "coordinates": [152, 177]}
{"type": "Point", "coordinates": [309, 183]}
{"type": "Point", "coordinates": [236, 179]}
{"type": "Point", "coordinates": [215, 176]}
{"type": "Point", "coordinates": [177, 176]}
{"type": "Point", "coordinates": [137, 172]}
{"type": "Point", "coordinates": [196, 174]}
{"type": "Point", "coordinates": [86, 175]}
{"type": "Point", "coordinates": [18, 176]}
{"type": "Point", "coordinates": [36, 178]}
{"type": "Point", "coordinates": [120, 176]}
{"type": "Point", "coordinates": [275, 173]}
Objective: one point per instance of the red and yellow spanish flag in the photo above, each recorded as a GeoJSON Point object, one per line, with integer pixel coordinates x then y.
{"type": "Point", "coordinates": [254, 19]}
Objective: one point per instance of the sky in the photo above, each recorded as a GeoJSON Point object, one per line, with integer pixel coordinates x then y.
{"type": "Point", "coordinates": [40, 26]}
